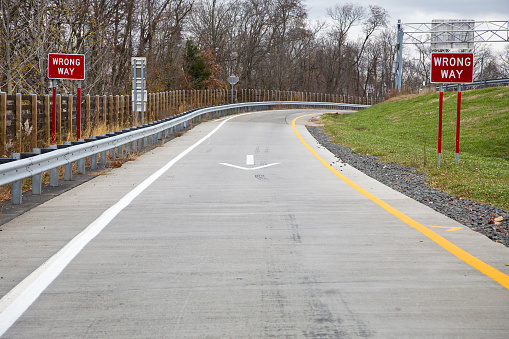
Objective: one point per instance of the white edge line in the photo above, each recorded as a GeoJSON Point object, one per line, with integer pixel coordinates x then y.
{"type": "Point", "coordinates": [19, 299]}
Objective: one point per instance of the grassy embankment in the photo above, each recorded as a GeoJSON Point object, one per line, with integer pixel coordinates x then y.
{"type": "Point", "coordinates": [405, 130]}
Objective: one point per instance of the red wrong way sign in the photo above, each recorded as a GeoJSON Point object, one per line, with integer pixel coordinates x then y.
{"type": "Point", "coordinates": [452, 67]}
{"type": "Point", "coordinates": [66, 66]}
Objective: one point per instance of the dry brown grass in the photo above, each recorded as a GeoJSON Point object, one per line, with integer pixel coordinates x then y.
{"type": "Point", "coordinates": [402, 97]}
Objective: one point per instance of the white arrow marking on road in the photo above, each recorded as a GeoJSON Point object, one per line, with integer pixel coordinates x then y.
{"type": "Point", "coordinates": [249, 169]}
{"type": "Point", "coordinates": [250, 160]}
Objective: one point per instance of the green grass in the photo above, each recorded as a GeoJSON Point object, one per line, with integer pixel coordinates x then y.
{"type": "Point", "coordinates": [405, 131]}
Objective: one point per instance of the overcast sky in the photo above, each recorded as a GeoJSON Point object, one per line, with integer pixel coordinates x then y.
{"type": "Point", "coordinates": [412, 11]}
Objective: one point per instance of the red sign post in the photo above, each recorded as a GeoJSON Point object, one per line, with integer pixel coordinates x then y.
{"type": "Point", "coordinates": [70, 67]}
{"type": "Point", "coordinates": [455, 68]}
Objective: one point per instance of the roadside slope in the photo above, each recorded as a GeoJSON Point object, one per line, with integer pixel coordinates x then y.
{"type": "Point", "coordinates": [405, 131]}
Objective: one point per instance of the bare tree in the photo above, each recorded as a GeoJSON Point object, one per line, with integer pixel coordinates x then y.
{"type": "Point", "coordinates": [12, 34]}
{"type": "Point", "coordinates": [269, 44]}
{"type": "Point", "coordinates": [334, 45]}
{"type": "Point", "coordinates": [377, 18]}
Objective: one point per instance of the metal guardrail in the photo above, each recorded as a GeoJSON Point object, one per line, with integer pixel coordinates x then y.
{"type": "Point", "coordinates": [480, 84]}
{"type": "Point", "coordinates": [25, 165]}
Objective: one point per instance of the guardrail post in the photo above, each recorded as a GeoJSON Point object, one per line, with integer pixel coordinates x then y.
{"type": "Point", "coordinates": [68, 172]}
{"type": "Point", "coordinates": [53, 177]}
{"type": "Point", "coordinates": [16, 187]}
{"type": "Point", "coordinates": [37, 178]}
{"type": "Point", "coordinates": [68, 167]}
{"type": "Point", "coordinates": [37, 184]}
{"type": "Point", "coordinates": [93, 162]}
{"type": "Point", "coordinates": [53, 173]}
{"type": "Point", "coordinates": [81, 165]}
{"type": "Point", "coordinates": [120, 151]}
{"type": "Point", "coordinates": [16, 195]}
{"type": "Point", "coordinates": [102, 160]}
{"type": "Point", "coordinates": [128, 148]}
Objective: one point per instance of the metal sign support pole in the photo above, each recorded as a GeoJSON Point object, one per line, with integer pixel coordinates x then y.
{"type": "Point", "coordinates": [440, 106]}
{"type": "Point", "coordinates": [142, 92]}
{"type": "Point", "coordinates": [78, 112]}
{"type": "Point", "coordinates": [399, 56]}
{"type": "Point", "coordinates": [135, 94]}
{"type": "Point", "coordinates": [457, 158]}
{"type": "Point", "coordinates": [53, 113]}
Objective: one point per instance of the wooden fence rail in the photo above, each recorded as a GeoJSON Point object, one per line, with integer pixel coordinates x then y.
{"type": "Point", "coordinates": [25, 121]}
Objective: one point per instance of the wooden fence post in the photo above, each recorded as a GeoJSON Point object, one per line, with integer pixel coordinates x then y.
{"type": "Point", "coordinates": [3, 123]}
{"type": "Point", "coordinates": [69, 115]}
{"type": "Point", "coordinates": [105, 112]}
{"type": "Point", "coordinates": [164, 114]}
{"type": "Point", "coordinates": [47, 120]}
{"type": "Point", "coordinates": [172, 102]}
{"type": "Point", "coordinates": [19, 134]}
{"type": "Point", "coordinates": [177, 102]}
{"type": "Point", "coordinates": [122, 114]}
{"type": "Point", "coordinates": [111, 115]}
{"type": "Point", "coordinates": [160, 106]}
{"type": "Point", "coordinates": [59, 119]}
{"type": "Point", "coordinates": [97, 106]}
{"type": "Point", "coordinates": [89, 114]}
{"type": "Point", "coordinates": [117, 109]}
{"type": "Point", "coordinates": [150, 108]}
{"type": "Point", "coordinates": [157, 99]}
{"type": "Point", "coordinates": [128, 118]}
{"type": "Point", "coordinates": [34, 121]}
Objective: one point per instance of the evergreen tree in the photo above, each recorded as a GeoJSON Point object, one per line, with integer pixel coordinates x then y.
{"type": "Point", "coordinates": [195, 66]}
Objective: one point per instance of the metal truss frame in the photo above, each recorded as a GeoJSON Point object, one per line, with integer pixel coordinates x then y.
{"type": "Point", "coordinates": [423, 33]}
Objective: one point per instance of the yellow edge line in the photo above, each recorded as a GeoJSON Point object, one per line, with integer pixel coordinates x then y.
{"type": "Point", "coordinates": [491, 272]}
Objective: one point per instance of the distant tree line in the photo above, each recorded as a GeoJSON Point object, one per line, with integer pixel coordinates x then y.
{"type": "Point", "coordinates": [197, 44]}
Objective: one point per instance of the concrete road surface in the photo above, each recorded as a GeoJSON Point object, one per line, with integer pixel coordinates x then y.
{"type": "Point", "coordinates": [237, 230]}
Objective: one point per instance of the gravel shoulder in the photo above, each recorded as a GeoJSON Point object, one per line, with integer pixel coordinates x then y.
{"type": "Point", "coordinates": [479, 217]}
